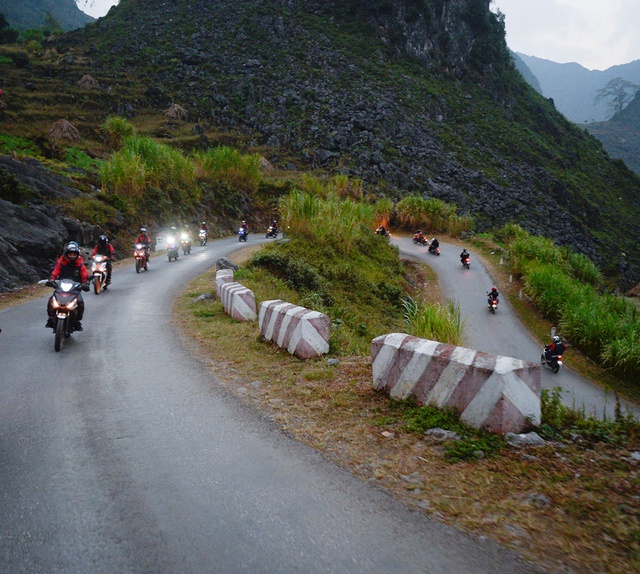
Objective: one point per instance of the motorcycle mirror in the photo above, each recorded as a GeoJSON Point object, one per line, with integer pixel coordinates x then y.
{"type": "Point", "coordinates": [43, 282]}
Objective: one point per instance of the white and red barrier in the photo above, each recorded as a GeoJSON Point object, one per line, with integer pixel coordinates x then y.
{"type": "Point", "coordinates": [303, 332]}
{"type": "Point", "coordinates": [489, 391]}
{"type": "Point", "coordinates": [238, 301]}
{"type": "Point", "coordinates": [223, 276]}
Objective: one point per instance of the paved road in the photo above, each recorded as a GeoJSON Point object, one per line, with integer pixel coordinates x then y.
{"type": "Point", "coordinates": [502, 333]}
{"type": "Point", "coordinates": [121, 454]}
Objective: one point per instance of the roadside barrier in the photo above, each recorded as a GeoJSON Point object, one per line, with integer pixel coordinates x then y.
{"type": "Point", "coordinates": [223, 276]}
{"type": "Point", "coordinates": [499, 393]}
{"type": "Point", "coordinates": [303, 332]}
{"type": "Point", "coordinates": [238, 301]}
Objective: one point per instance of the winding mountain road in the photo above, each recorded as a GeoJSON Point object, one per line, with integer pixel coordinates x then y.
{"type": "Point", "coordinates": [502, 333]}
{"type": "Point", "coordinates": [121, 454]}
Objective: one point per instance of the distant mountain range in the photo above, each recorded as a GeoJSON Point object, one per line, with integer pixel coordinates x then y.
{"type": "Point", "coordinates": [573, 87]}
{"type": "Point", "coordinates": [573, 90]}
{"type": "Point", "coordinates": [26, 14]}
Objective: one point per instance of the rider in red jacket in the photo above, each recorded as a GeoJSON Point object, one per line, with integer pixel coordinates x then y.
{"type": "Point", "coordinates": [69, 266]}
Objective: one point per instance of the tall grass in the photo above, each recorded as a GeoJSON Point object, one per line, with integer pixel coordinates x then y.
{"type": "Point", "coordinates": [434, 321]}
{"type": "Point", "coordinates": [116, 129]}
{"type": "Point", "coordinates": [566, 288]}
{"type": "Point", "coordinates": [415, 212]}
{"type": "Point", "coordinates": [229, 166]}
{"type": "Point", "coordinates": [331, 221]}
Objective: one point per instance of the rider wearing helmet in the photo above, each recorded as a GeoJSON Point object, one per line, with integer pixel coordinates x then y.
{"type": "Point", "coordinates": [555, 349]}
{"type": "Point", "coordinates": [493, 295]}
{"type": "Point", "coordinates": [204, 226]}
{"type": "Point", "coordinates": [103, 247]}
{"type": "Point", "coordinates": [70, 265]}
{"type": "Point", "coordinates": [144, 238]}
{"type": "Point", "coordinates": [464, 254]}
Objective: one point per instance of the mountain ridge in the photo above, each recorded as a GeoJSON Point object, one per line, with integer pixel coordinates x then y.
{"type": "Point", "coordinates": [25, 14]}
{"type": "Point", "coordinates": [407, 96]}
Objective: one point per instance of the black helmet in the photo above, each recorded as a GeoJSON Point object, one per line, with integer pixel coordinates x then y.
{"type": "Point", "coordinates": [103, 240]}
{"type": "Point", "coordinates": [72, 248]}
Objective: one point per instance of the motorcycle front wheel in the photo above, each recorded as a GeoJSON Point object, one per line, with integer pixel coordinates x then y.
{"type": "Point", "coordinates": [59, 334]}
{"type": "Point", "coordinates": [138, 265]}
{"type": "Point", "coordinates": [97, 285]}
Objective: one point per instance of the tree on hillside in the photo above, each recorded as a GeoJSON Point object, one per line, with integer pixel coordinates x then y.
{"type": "Point", "coordinates": [7, 34]}
{"type": "Point", "coordinates": [618, 93]}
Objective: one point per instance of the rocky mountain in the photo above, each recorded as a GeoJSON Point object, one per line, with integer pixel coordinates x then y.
{"type": "Point", "coordinates": [25, 14]}
{"type": "Point", "coordinates": [410, 96]}
{"type": "Point", "coordinates": [621, 134]}
{"type": "Point", "coordinates": [573, 87]}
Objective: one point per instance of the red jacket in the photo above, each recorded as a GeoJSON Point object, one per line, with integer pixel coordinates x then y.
{"type": "Point", "coordinates": [67, 269]}
{"type": "Point", "coordinates": [109, 248]}
{"type": "Point", "coordinates": [144, 239]}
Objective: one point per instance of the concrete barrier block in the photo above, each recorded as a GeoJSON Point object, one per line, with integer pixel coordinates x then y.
{"type": "Point", "coordinates": [238, 301]}
{"type": "Point", "coordinates": [303, 332]}
{"type": "Point", "coordinates": [223, 276]}
{"type": "Point", "coordinates": [490, 391]}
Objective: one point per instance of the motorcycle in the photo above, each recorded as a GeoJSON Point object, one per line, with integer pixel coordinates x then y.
{"type": "Point", "coordinates": [243, 234]}
{"type": "Point", "coordinates": [142, 259]}
{"type": "Point", "coordinates": [202, 236]}
{"type": "Point", "coordinates": [172, 248]}
{"type": "Point", "coordinates": [554, 362]}
{"type": "Point", "coordinates": [420, 239]}
{"type": "Point", "coordinates": [492, 303]}
{"type": "Point", "coordinates": [272, 232]}
{"type": "Point", "coordinates": [466, 261]}
{"type": "Point", "coordinates": [185, 241]}
{"type": "Point", "coordinates": [99, 273]}
{"type": "Point", "coordinates": [64, 302]}
{"type": "Point", "coordinates": [433, 250]}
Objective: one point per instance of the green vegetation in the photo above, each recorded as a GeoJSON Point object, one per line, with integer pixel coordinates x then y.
{"type": "Point", "coordinates": [415, 212]}
{"type": "Point", "coordinates": [568, 289]}
{"type": "Point", "coordinates": [434, 321]}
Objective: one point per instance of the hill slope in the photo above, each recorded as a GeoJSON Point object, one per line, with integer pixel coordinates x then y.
{"type": "Point", "coordinates": [412, 97]}
{"type": "Point", "coordinates": [621, 135]}
{"type": "Point", "coordinates": [25, 14]}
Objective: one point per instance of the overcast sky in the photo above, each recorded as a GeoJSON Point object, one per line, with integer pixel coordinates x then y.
{"type": "Point", "coordinates": [595, 33]}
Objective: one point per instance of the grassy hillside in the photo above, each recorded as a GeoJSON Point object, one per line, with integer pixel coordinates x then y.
{"type": "Point", "coordinates": [394, 93]}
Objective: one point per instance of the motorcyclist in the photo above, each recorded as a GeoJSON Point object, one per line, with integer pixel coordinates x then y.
{"type": "Point", "coordinates": [70, 265]}
{"type": "Point", "coordinates": [143, 237]}
{"type": "Point", "coordinates": [433, 246]}
{"type": "Point", "coordinates": [418, 236]}
{"type": "Point", "coordinates": [103, 247]}
{"type": "Point", "coordinates": [464, 254]}
{"type": "Point", "coordinates": [244, 227]}
{"type": "Point", "coordinates": [555, 349]}
{"type": "Point", "coordinates": [203, 225]}
{"type": "Point", "coordinates": [274, 225]}
{"type": "Point", "coordinates": [493, 296]}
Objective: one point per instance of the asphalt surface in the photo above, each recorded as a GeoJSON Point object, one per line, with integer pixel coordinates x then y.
{"type": "Point", "coordinates": [121, 454]}
{"type": "Point", "coordinates": [502, 333]}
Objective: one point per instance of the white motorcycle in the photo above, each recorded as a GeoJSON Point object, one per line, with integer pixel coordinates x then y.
{"type": "Point", "coordinates": [99, 273]}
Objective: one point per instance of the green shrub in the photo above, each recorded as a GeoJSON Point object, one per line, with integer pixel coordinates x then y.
{"type": "Point", "coordinates": [116, 129]}
{"type": "Point", "coordinates": [434, 322]}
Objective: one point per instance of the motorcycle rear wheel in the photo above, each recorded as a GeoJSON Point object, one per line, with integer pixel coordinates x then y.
{"type": "Point", "coordinates": [555, 368]}
{"type": "Point", "coordinates": [59, 335]}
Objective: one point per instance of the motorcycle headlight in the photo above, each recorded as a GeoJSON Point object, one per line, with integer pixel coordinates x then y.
{"type": "Point", "coordinates": [184, 237]}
